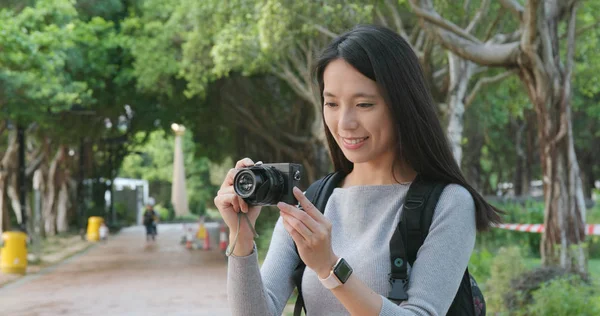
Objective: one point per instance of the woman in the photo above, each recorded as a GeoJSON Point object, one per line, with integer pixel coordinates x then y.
{"type": "Point", "coordinates": [382, 131]}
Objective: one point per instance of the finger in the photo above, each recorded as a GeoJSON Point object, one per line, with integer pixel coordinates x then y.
{"type": "Point", "coordinates": [243, 205]}
{"type": "Point", "coordinates": [298, 226]}
{"type": "Point", "coordinates": [224, 200]}
{"type": "Point", "coordinates": [228, 182]}
{"type": "Point", "coordinates": [307, 206]}
{"type": "Point", "coordinates": [301, 216]}
{"type": "Point", "coordinates": [246, 162]}
{"type": "Point", "coordinates": [226, 190]}
{"type": "Point", "coordinates": [235, 203]}
{"type": "Point", "coordinates": [296, 236]}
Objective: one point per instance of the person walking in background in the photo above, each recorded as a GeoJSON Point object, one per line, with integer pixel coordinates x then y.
{"type": "Point", "coordinates": [150, 217]}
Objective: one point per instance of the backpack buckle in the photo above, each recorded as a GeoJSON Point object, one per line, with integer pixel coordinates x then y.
{"type": "Point", "coordinates": [398, 291]}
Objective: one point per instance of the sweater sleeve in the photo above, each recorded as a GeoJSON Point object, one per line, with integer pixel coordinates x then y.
{"type": "Point", "coordinates": [441, 261]}
{"type": "Point", "coordinates": [263, 291]}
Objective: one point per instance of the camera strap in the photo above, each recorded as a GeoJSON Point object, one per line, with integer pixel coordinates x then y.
{"type": "Point", "coordinates": [229, 250]}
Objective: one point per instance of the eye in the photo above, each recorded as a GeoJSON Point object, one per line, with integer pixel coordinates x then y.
{"type": "Point", "coordinates": [330, 104]}
{"type": "Point", "coordinates": [364, 105]}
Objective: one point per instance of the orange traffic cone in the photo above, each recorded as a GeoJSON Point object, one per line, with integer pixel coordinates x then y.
{"type": "Point", "coordinates": [223, 238]}
{"type": "Point", "coordinates": [207, 241]}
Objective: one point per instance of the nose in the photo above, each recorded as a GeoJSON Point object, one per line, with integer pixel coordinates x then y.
{"type": "Point", "coordinates": [348, 120]}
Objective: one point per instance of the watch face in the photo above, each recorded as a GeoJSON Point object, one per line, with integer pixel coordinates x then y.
{"type": "Point", "coordinates": [342, 271]}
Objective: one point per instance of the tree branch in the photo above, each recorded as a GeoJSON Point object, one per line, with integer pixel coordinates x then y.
{"type": "Point", "coordinates": [514, 7]}
{"type": "Point", "coordinates": [285, 74]}
{"type": "Point", "coordinates": [486, 81]}
{"type": "Point", "coordinates": [530, 27]}
{"type": "Point", "coordinates": [257, 129]}
{"type": "Point", "coordinates": [393, 7]}
{"type": "Point", "coordinates": [434, 18]}
{"type": "Point", "coordinates": [565, 97]}
{"type": "Point", "coordinates": [488, 54]}
{"type": "Point", "coordinates": [582, 30]}
{"type": "Point", "coordinates": [35, 164]}
{"type": "Point", "coordinates": [571, 44]}
{"type": "Point", "coordinates": [498, 55]}
{"type": "Point", "coordinates": [488, 32]}
{"type": "Point", "coordinates": [482, 8]}
{"type": "Point", "coordinates": [319, 27]}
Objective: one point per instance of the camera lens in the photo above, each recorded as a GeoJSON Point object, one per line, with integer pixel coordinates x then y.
{"type": "Point", "coordinates": [245, 183]}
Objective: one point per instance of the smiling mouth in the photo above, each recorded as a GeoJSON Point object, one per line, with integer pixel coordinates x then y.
{"type": "Point", "coordinates": [354, 141]}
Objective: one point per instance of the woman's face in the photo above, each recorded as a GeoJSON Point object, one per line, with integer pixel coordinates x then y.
{"type": "Point", "coordinates": [357, 115]}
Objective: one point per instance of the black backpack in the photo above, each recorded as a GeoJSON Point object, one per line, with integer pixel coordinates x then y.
{"type": "Point", "coordinates": [416, 217]}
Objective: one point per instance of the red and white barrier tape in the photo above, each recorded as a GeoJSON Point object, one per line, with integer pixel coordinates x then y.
{"type": "Point", "coordinates": [590, 229]}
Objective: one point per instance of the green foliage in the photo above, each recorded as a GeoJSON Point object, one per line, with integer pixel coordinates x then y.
{"type": "Point", "coordinates": [530, 212]}
{"type": "Point", "coordinates": [507, 265]}
{"type": "Point", "coordinates": [565, 296]}
{"type": "Point", "coordinates": [163, 212]}
{"type": "Point", "coordinates": [126, 216]}
{"type": "Point", "coordinates": [480, 265]}
{"type": "Point", "coordinates": [35, 44]}
{"type": "Point", "coordinates": [153, 161]}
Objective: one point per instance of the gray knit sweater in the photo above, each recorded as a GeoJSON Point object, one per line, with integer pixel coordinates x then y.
{"type": "Point", "coordinates": [363, 219]}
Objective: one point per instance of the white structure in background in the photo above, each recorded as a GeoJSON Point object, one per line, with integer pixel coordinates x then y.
{"type": "Point", "coordinates": [142, 189]}
{"type": "Point", "coordinates": [178, 189]}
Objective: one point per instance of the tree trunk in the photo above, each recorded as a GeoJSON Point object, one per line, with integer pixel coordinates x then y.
{"type": "Point", "coordinates": [521, 161]}
{"type": "Point", "coordinates": [530, 154]}
{"type": "Point", "coordinates": [62, 222]}
{"type": "Point", "coordinates": [7, 172]}
{"type": "Point", "coordinates": [13, 195]}
{"type": "Point", "coordinates": [50, 192]}
{"type": "Point", "coordinates": [535, 51]}
{"type": "Point", "coordinates": [4, 216]}
{"type": "Point", "coordinates": [564, 213]}
{"type": "Point", "coordinates": [461, 71]}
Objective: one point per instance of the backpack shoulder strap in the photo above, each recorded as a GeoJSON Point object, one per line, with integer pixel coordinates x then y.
{"type": "Point", "coordinates": [417, 212]}
{"type": "Point", "coordinates": [318, 194]}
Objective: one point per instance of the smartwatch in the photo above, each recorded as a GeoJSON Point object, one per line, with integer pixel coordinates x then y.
{"type": "Point", "coordinates": [338, 275]}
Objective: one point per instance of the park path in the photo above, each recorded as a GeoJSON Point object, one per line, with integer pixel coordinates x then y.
{"type": "Point", "coordinates": [126, 276]}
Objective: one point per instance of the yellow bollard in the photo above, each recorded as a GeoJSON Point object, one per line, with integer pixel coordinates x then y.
{"type": "Point", "coordinates": [200, 235]}
{"type": "Point", "coordinates": [14, 252]}
{"type": "Point", "coordinates": [93, 228]}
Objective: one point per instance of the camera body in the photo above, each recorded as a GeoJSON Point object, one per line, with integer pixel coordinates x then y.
{"type": "Point", "coordinates": [268, 184]}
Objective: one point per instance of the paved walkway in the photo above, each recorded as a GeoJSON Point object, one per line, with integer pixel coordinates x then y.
{"type": "Point", "coordinates": [126, 276]}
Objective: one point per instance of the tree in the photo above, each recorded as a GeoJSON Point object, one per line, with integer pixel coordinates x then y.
{"type": "Point", "coordinates": [533, 49]}
{"type": "Point", "coordinates": [153, 161]}
{"type": "Point", "coordinates": [202, 42]}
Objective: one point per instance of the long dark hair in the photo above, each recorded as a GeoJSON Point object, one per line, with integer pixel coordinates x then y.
{"type": "Point", "coordinates": [386, 58]}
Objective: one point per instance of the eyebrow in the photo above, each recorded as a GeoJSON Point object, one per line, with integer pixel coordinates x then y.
{"type": "Point", "coordinates": [354, 96]}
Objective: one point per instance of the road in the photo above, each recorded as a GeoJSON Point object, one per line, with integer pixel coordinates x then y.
{"type": "Point", "coordinates": [126, 276]}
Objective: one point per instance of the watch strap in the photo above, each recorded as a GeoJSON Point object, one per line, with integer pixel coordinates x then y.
{"type": "Point", "coordinates": [331, 281]}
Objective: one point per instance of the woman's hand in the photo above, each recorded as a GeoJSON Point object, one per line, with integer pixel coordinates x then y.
{"type": "Point", "coordinates": [230, 204]}
{"type": "Point", "coordinates": [311, 231]}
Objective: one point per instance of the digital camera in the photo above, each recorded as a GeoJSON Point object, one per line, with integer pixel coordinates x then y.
{"type": "Point", "coordinates": [268, 184]}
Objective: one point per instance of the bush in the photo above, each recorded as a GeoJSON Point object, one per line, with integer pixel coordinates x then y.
{"type": "Point", "coordinates": [508, 264]}
{"type": "Point", "coordinates": [522, 287]}
{"type": "Point", "coordinates": [480, 265]}
{"type": "Point", "coordinates": [163, 212]}
{"type": "Point", "coordinates": [528, 212]}
{"type": "Point", "coordinates": [568, 295]}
